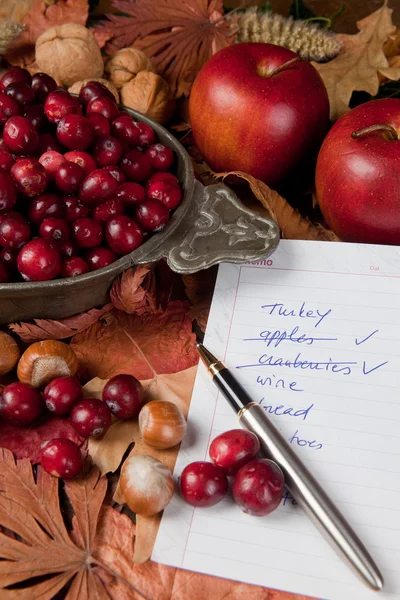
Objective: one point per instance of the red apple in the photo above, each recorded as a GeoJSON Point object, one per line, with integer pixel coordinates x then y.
{"type": "Point", "coordinates": [258, 108]}
{"type": "Point", "coordinates": [358, 174]}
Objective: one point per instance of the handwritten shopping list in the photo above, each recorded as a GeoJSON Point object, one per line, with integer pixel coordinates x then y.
{"type": "Point", "coordinates": [313, 334]}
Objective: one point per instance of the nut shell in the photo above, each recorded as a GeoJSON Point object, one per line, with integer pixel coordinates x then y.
{"type": "Point", "coordinates": [147, 484]}
{"type": "Point", "coordinates": [150, 95]}
{"type": "Point", "coordinates": [44, 361]}
{"type": "Point", "coordinates": [126, 64]}
{"type": "Point", "coordinates": [9, 353]}
{"type": "Point", "coordinates": [76, 87]}
{"type": "Point", "coordinates": [69, 53]}
{"type": "Point", "coordinates": [162, 424]}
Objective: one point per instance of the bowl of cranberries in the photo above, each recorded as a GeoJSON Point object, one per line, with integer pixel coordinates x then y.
{"type": "Point", "coordinates": [89, 189]}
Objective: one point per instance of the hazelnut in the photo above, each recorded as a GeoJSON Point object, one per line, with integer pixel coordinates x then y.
{"type": "Point", "coordinates": [9, 353]}
{"type": "Point", "coordinates": [150, 95]}
{"type": "Point", "coordinates": [126, 64]}
{"type": "Point", "coordinates": [76, 87]}
{"type": "Point", "coordinates": [147, 484]}
{"type": "Point", "coordinates": [69, 53]}
{"type": "Point", "coordinates": [44, 361]}
{"type": "Point", "coordinates": [162, 424]}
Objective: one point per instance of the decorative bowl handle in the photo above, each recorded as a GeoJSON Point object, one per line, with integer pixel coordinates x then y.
{"type": "Point", "coordinates": [216, 228]}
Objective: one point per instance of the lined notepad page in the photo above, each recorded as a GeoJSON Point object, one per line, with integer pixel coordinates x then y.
{"type": "Point", "coordinates": [313, 334]}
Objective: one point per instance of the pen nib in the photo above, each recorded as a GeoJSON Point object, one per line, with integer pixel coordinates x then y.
{"type": "Point", "coordinates": [206, 356]}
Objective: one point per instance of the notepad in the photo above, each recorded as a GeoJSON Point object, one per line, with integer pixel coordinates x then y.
{"type": "Point", "coordinates": [313, 334]}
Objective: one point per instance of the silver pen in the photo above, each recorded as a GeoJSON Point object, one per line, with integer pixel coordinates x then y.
{"type": "Point", "coordinates": [302, 485]}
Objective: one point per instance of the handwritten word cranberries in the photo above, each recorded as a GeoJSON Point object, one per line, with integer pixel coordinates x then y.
{"type": "Point", "coordinates": [76, 170]}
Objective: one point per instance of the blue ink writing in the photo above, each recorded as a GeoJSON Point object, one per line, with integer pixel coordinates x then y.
{"type": "Point", "coordinates": [277, 337]}
{"type": "Point", "coordinates": [279, 309]}
{"type": "Point", "coordinates": [359, 342]}
{"type": "Point", "coordinates": [367, 372]}
{"type": "Point", "coordinates": [288, 498]}
{"type": "Point", "coordinates": [278, 383]}
{"type": "Point", "coordinates": [313, 444]}
{"type": "Point", "coordinates": [329, 366]}
{"type": "Point", "coordinates": [280, 410]}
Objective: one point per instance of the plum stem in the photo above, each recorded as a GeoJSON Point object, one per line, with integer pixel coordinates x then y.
{"type": "Point", "coordinates": [265, 73]}
{"type": "Point", "coordinates": [388, 129]}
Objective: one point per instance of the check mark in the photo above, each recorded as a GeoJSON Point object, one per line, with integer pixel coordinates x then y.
{"type": "Point", "coordinates": [367, 372]}
{"type": "Point", "coordinates": [359, 342]}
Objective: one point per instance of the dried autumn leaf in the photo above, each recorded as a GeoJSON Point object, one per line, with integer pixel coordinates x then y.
{"type": "Point", "coordinates": [359, 63]}
{"type": "Point", "coordinates": [133, 291]}
{"type": "Point", "coordinates": [14, 10]}
{"type": "Point", "coordinates": [199, 288]}
{"type": "Point", "coordinates": [291, 223]}
{"type": "Point", "coordinates": [179, 36]}
{"type": "Point", "coordinates": [47, 329]}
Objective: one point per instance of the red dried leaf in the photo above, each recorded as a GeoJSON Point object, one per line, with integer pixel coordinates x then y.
{"type": "Point", "coordinates": [199, 288]}
{"type": "Point", "coordinates": [25, 442]}
{"type": "Point", "coordinates": [40, 17]}
{"type": "Point", "coordinates": [178, 36]}
{"type": "Point", "coordinates": [133, 292]}
{"type": "Point", "coordinates": [143, 345]}
{"type": "Point", "coordinates": [46, 329]}
{"type": "Point", "coordinates": [101, 36]}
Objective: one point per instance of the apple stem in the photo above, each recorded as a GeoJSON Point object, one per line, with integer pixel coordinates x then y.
{"type": "Point", "coordinates": [388, 129]}
{"type": "Point", "coordinates": [282, 67]}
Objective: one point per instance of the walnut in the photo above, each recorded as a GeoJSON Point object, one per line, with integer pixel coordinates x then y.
{"type": "Point", "coordinates": [150, 95]}
{"type": "Point", "coordinates": [76, 87]}
{"type": "Point", "coordinates": [69, 53]}
{"type": "Point", "coordinates": [126, 64]}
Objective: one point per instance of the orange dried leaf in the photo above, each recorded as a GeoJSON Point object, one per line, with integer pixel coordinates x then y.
{"type": "Point", "coordinates": [133, 291]}
{"type": "Point", "coordinates": [292, 224]}
{"type": "Point", "coordinates": [179, 36]}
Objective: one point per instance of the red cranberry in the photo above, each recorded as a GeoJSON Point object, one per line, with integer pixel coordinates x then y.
{"type": "Point", "coordinates": [45, 206]}
{"type": "Point", "coordinates": [88, 233]}
{"type": "Point", "coordinates": [152, 215]}
{"type": "Point", "coordinates": [15, 75]}
{"type": "Point", "coordinates": [42, 84]}
{"type": "Point", "coordinates": [6, 160]}
{"type": "Point", "coordinates": [169, 195]}
{"type": "Point", "coordinates": [14, 231]}
{"type": "Point", "coordinates": [203, 484]}
{"type": "Point", "coordinates": [162, 176]}
{"type": "Point", "coordinates": [75, 132]}
{"type": "Point", "coordinates": [98, 258]}
{"type": "Point", "coordinates": [103, 105]}
{"type": "Point", "coordinates": [3, 272]}
{"type": "Point", "coordinates": [74, 266]}
{"type": "Point", "coordinates": [93, 89]}
{"type": "Point", "coordinates": [47, 142]}
{"type": "Point", "coordinates": [69, 176]}
{"type": "Point", "coordinates": [100, 124]}
{"type": "Point", "coordinates": [91, 417]}
{"type": "Point", "coordinates": [61, 458]}
{"type": "Point", "coordinates": [67, 248]}
{"type": "Point", "coordinates": [123, 395]}
{"type": "Point", "coordinates": [106, 209]}
{"type": "Point", "coordinates": [74, 209]}
{"type": "Point", "coordinates": [21, 404]}
{"type": "Point", "coordinates": [9, 260]}
{"type": "Point", "coordinates": [54, 228]}
{"type": "Point", "coordinates": [98, 186]}
{"type": "Point", "coordinates": [161, 157]}
{"type": "Point", "coordinates": [83, 159]}
{"type": "Point", "coordinates": [39, 260]}
{"type": "Point", "coordinates": [51, 161]}
{"type": "Point", "coordinates": [20, 92]}
{"type": "Point", "coordinates": [147, 135]}
{"type": "Point", "coordinates": [20, 136]}
{"type": "Point", "coordinates": [123, 235]}
{"type": "Point", "coordinates": [61, 394]}
{"type": "Point", "coordinates": [29, 176]}
{"type": "Point", "coordinates": [107, 151]}
{"type": "Point", "coordinates": [116, 172]}
{"type": "Point", "coordinates": [35, 115]}
{"type": "Point", "coordinates": [60, 103]}
{"type": "Point", "coordinates": [135, 165]}
{"type": "Point", "coordinates": [233, 449]}
{"type": "Point", "coordinates": [258, 487]}
{"type": "Point", "coordinates": [131, 193]}
{"type": "Point", "coordinates": [126, 129]}
{"type": "Point", "coordinates": [8, 108]}
{"type": "Point", "coordinates": [8, 193]}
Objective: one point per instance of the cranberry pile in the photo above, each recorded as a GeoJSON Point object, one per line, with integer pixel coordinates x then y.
{"type": "Point", "coordinates": [22, 405]}
{"type": "Point", "coordinates": [81, 182]}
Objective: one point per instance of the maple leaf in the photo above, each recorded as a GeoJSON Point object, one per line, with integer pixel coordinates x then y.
{"type": "Point", "coordinates": [292, 224]}
{"type": "Point", "coordinates": [133, 291]}
{"type": "Point", "coordinates": [40, 17]}
{"type": "Point", "coordinates": [47, 329]}
{"type": "Point", "coordinates": [360, 62]}
{"type": "Point", "coordinates": [178, 35]}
